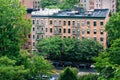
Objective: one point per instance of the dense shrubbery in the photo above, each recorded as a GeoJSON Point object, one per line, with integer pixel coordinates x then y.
{"type": "Point", "coordinates": [68, 49]}
{"type": "Point", "coordinates": [88, 77]}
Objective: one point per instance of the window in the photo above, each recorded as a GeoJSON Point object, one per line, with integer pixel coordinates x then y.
{"type": "Point", "coordinates": [64, 23]}
{"type": "Point", "coordinates": [101, 39]}
{"type": "Point", "coordinates": [95, 32]}
{"type": "Point", "coordinates": [33, 36]}
{"type": "Point", "coordinates": [50, 30]}
{"type": "Point", "coordinates": [83, 23]}
{"type": "Point", "coordinates": [46, 29]}
{"type": "Point", "coordinates": [88, 31]}
{"type": "Point", "coordinates": [42, 29]}
{"type": "Point", "coordinates": [50, 22]}
{"type": "Point", "coordinates": [64, 30]}
{"type": "Point", "coordinates": [37, 36]}
{"type": "Point", "coordinates": [59, 30]}
{"type": "Point", "coordinates": [68, 23]}
{"type": "Point", "coordinates": [68, 30]}
{"type": "Point", "coordinates": [29, 36]}
{"type": "Point", "coordinates": [94, 24]}
{"type": "Point", "coordinates": [83, 31]}
{"type": "Point", "coordinates": [33, 29]}
{"type": "Point", "coordinates": [59, 22]}
{"type": "Point", "coordinates": [78, 24]}
{"type": "Point", "coordinates": [101, 23]}
{"type": "Point", "coordinates": [55, 22]}
{"type": "Point", "coordinates": [37, 21]}
{"type": "Point", "coordinates": [33, 21]}
{"type": "Point", "coordinates": [68, 36]}
{"type": "Point", "coordinates": [101, 31]}
{"type": "Point", "coordinates": [73, 23]}
{"type": "Point", "coordinates": [95, 38]}
{"type": "Point", "coordinates": [88, 23]}
{"type": "Point", "coordinates": [33, 43]}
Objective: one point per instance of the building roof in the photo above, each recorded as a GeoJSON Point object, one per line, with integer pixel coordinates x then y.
{"type": "Point", "coordinates": [96, 13]}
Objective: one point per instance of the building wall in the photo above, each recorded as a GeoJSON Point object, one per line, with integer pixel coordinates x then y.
{"type": "Point", "coordinates": [31, 4]}
{"type": "Point", "coordinates": [80, 30]}
{"type": "Point", "coordinates": [100, 4]}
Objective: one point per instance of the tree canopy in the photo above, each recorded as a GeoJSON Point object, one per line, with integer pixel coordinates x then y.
{"type": "Point", "coordinates": [108, 62]}
{"type": "Point", "coordinates": [68, 4]}
{"type": "Point", "coordinates": [113, 28]}
{"type": "Point", "coordinates": [57, 48]}
{"type": "Point", "coordinates": [15, 63]}
{"type": "Point", "coordinates": [47, 3]}
{"type": "Point", "coordinates": [68, 74]}
{"type": "Point", "coordinates": [64, 4]}
{"type": "Point", "coordinates": [13, 27]}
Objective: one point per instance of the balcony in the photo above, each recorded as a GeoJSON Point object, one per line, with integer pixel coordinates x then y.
{"type": "Point", "coordinates": [40, 25]}
{"type": "Point", "coordinates": [57, 25]}
{"type": "Point", "coordinates": [40, 32]}
{"type": "Point", "coordinates": [57, 33]}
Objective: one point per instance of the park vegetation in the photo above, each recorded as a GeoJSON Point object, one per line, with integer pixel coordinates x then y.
{"type": "Point", "coordinates": [68, 49]}
{"type": "Point", "coordinates": [107, 63]}
{"type": "Point", "coordinates": [63, 4]}
{"type": "Point", "coordinates": [15, 63]}
{"type": "Point", "coordinates": [72, 74]}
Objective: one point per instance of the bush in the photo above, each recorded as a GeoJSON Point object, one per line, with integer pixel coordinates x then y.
{"type": "Point", "coordinates": [88, 77]}
{"type": "Point", "coordinates": [68, 74]}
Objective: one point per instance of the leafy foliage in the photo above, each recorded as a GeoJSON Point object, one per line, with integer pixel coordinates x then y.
{"type": "Point", "coordinates": [112, 28]}
{"type": "Point", "coordinates": [108, 62]}
{"type": "Point", "coordinates": [13, 27]}
{"type": "Point", "coordinates": [64, 4]}
{"type": "Point", "coordinates": [46, 3]}
{"type": "Point", "coordinates": [57, 48]}
{"type": "Point", "coordinates": [88, 77]}
{"type": "Point", "coordinates": [68, 4]}
{"type": "Point", "coordinates": [8, 70]}
{"type": "Point", "coordinates": [68, 74]}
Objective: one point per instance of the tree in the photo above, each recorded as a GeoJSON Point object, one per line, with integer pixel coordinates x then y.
{"type": "Point", "coordinates": [40, 66]}
{"type": "Point", "coordinates": [13, 27]}
{"type": "Point", "coordinates": [8, 70]}
{"type": "Point", "coordinates": [68, 74]}
{"type": "Point", "coordinates": [36, 64]}
{"type": "Point", "coordinates": [68, 4]}
{"type": "Point", "coordinates": [118, 5]}
{"type": "Point", "coordinates": [47, 3]}
{"type": "Point", "coordinates": [108, 62]}
{"type": "Point", "coordinates": [89, 49]}
{"type": "Point", "coordinates": [112, 28]}
{"type": "Point", "coordinates": [57, 48]}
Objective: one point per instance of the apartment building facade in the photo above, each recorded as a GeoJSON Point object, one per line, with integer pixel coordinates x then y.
{"type": "Point", "coordinates": [31, 4]}
{"type": "Point", "coordinates": [70, 24]}
{"type": "Point", "coordinates": [100, 4]}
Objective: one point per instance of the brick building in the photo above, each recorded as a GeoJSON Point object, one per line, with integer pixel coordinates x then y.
{"type": "Point", "coordinates": [70, 24]}
{"type": "Point", "coordinates": [30, 6]}
{"type": "Point", "coordinates": [100, 4]}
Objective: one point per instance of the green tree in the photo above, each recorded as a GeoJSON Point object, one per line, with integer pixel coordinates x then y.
{"type": "Point", "coordinates": [68, 4]}
{"type": "Point", "coordinates": [68, 74]}
{"type": "Point", "coordinates": [89, 49]}
{"type": "Point", "coordinates": [13, 27]}
{"type": "Point", "coordinates": [118, 5]}
{"type": "Point", "coordinates": [9, 71]}
{"type": "Point", "coordinates": [108, 62]}
{"type": "Point", "coordinates": [36, 64]}
{"type": "Point", "coordinates": [88, 77]}
{"type": "Point", "coordinates": [112, 28]}
{"type": "Point", "coordinates": [57, 48]}
{"type": "Point", "coordinates": [47, 3]}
